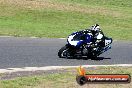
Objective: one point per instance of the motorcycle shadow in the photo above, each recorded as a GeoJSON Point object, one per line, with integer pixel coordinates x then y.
{"type": "Point", "coordinates": [101, 58]}
{"type": "Point", "coordinates": [85, 58]}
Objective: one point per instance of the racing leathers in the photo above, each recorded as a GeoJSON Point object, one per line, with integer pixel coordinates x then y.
{"type": "Point", "coordinates": [97, 36]}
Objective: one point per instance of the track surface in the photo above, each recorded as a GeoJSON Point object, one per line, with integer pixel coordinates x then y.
{"type": "Point", "coordinates": [39, 52]}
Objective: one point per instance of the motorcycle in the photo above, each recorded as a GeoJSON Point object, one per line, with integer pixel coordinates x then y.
{"type": "Point", "coordinates": [80, 44]}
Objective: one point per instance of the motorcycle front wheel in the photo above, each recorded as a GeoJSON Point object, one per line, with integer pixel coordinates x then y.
{"type": "Point", "coordinates": [63, 52]}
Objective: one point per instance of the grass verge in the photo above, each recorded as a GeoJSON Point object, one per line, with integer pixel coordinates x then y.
{"type": "Point", "coordinates": [66, 79]}
{"type": "Point", "coordinates": [59, 18]}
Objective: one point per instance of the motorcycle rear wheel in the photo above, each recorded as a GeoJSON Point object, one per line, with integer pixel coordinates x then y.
{"type": "Point", "coordinates": [92, 56]}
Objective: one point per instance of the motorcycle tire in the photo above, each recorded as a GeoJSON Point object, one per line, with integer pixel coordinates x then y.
{"type": "Point", "coordinates": [61, 51]}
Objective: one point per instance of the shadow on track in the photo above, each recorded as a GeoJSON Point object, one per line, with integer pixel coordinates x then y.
{"type": "Point", "coordinates": [85, 58]}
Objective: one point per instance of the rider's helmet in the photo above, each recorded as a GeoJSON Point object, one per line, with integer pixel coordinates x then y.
{"type": "Point", "coordinates": [95, 29]}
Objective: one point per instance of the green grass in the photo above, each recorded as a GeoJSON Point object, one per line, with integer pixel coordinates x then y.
{"type": "Point", "coordinates": [44, 81]}
{"type": "Point", "coordinates": [119, 3]}
{"type": "Point", "coordinates": [113, 16]}
{"type": "Point", "coordinates": [66, 80]}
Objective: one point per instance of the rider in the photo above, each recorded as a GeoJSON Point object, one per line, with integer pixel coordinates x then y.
{"type": "Point", "coordinates": [94, 31]}
{"type": "Point", "coordinates": [97, 35]}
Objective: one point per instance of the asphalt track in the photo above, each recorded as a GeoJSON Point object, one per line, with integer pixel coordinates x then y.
{"type": "Point", "coordinates": [39, 52]}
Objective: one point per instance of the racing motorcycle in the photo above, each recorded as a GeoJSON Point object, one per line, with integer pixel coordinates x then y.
{"type": "Point", "coordinates": [81, 44]}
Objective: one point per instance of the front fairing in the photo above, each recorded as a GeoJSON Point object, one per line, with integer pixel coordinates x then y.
{"type": "Point", "coordinates": [79, 38]}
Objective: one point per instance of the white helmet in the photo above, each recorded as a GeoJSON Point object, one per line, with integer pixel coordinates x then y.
{"type": "Point", "coordinates": [95, 28]}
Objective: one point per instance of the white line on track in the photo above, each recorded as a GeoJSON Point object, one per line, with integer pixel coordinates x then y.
{"type": "Point", "coordinates": [62, 38]}
{"type": "Point", "coordinates": [35, 37]}
{"type": "Point", "coordinates": [10, 70]}
{"type": "Point", "coordinates": [5, 36]}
